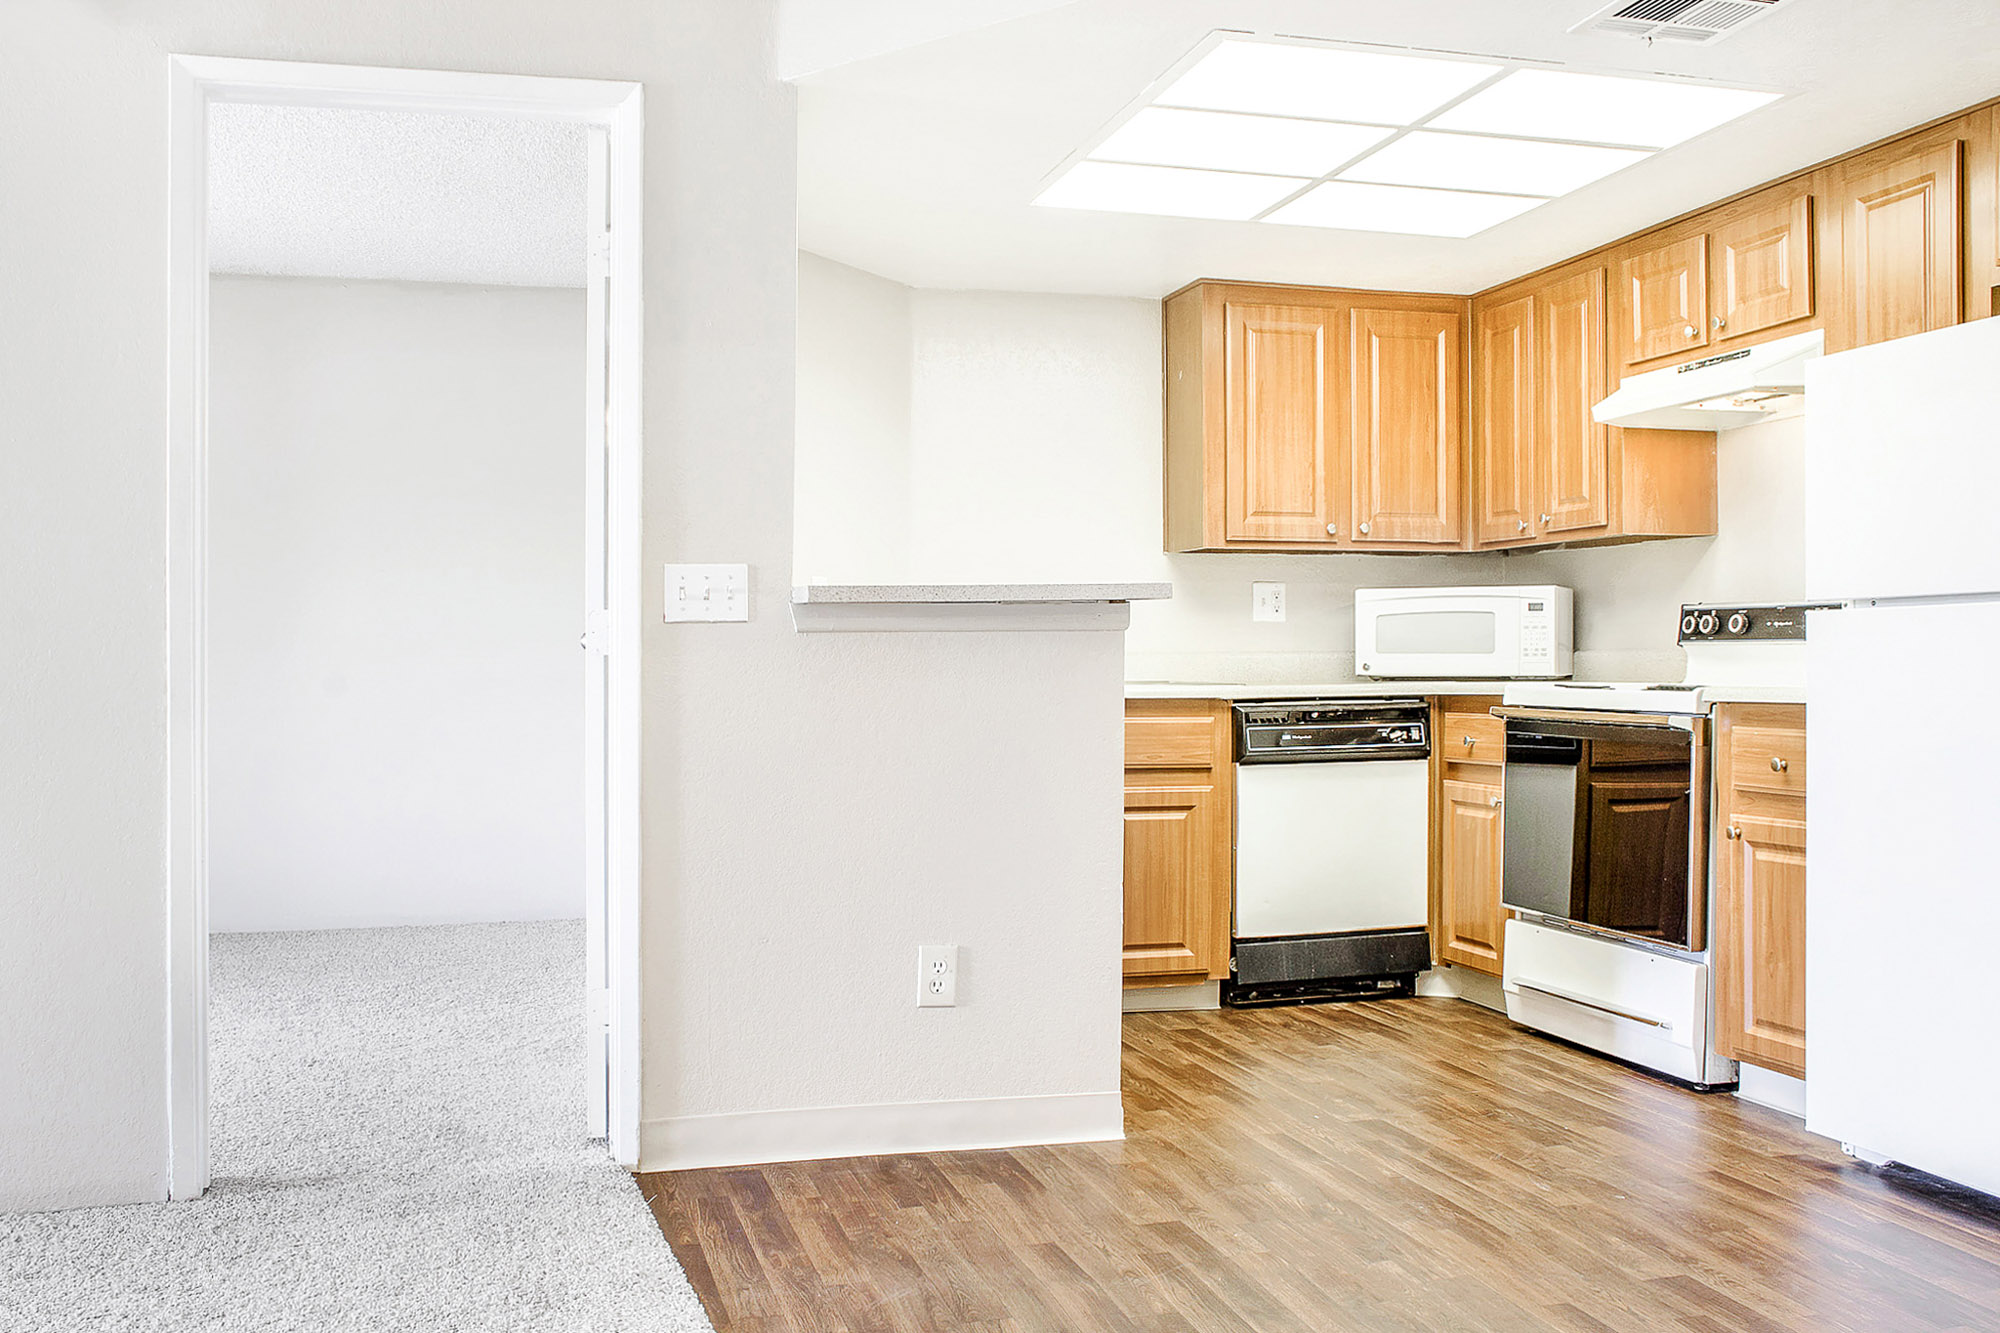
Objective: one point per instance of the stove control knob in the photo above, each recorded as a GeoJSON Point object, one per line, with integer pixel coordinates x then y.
{"type": "Point", "coordinates": [1739, 623]}
{"type": "Point", "coordinates": [1687, 623]}
{"type": "Point", "coordinates": [1707, 622]}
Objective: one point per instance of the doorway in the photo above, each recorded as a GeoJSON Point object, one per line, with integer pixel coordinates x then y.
{"type": "Point", "coordinates": [608, 620]}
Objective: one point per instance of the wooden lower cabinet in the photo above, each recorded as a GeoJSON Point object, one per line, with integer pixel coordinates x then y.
{"type": "Point", "coordinates": [1179, 832]}
{"type": "Point", "coordinates": [1760, 905]}
{"type": "Point", "coordinates": [1466, 805]}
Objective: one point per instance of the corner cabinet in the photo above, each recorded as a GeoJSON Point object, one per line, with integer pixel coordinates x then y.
{"type": "Point", "coordinates": [1308, 419]}
{"type": "Point", "coordinates": [1179, 834]}
{"type": "Point", "coordinates": [1542, 469]}
{"type": "Point", "coordinates": [1760, 904]}
{"type": "Point", "coordinates": [1466, 801]}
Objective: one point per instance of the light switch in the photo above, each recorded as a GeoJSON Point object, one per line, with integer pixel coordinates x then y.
{"type": "Point", "coordinates": [1267, 601]}
{"type": "Point", "coordinates": [708, 592]}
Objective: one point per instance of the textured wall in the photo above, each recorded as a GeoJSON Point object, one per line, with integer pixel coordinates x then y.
{"type": "Point", "coordinates": [396, 587]}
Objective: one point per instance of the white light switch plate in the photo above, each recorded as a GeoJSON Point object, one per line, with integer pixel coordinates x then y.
{"type": "Point", "coordinates": [1267, 601]}
{"type": "Point", "coordinates": [708, 592]}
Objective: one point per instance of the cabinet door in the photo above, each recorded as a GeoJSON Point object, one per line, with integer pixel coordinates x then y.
{"type": "Point", "coordinates": [1760, 955]}
{"type": "Point", "coordinates": [1763, 268]}
{"type": "Point", "coordinates": [1177, 859]}
{"type": "Point", "coordinates": [1901, 233]}
{"type": "Point", "coordinates": [1406, 448]}
{"type": "Point", "coordinates": [1664, 296]}
{"type": "Point", "coordinates": [1278, 443]}
{"type": "Point", "coordinates": [1574, 461]}
{"type": "Point", "coordinates": [1469, 914]}
{"type": "Point", "coordinates": [1503, 424]}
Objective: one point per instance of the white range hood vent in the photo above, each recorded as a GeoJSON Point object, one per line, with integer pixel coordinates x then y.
{"type": "Point", "coordinates": [1740, 388]}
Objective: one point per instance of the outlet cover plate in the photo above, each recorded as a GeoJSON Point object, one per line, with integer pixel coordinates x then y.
{"type": "Point", "coordinates": [1267, 601]}
{"type": "Point", "coordinates": [708, 593]}
{"type": "Point", "coordinates": [937, 976]}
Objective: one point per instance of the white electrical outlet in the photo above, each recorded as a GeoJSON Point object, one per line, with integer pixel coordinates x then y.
{"type": "Point", "coordinates": [1267, 601]}
{"type": "Point", "coordinates": [937, 976]}
{"type": "Point", "coordinates": [708, 592]}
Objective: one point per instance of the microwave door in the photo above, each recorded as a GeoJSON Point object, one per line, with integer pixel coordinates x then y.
{"type": "Point", "coordinates": [1440, 638]}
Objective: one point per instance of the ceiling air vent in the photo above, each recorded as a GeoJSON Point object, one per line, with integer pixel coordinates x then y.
{"type": "Point", "coordinates": [1677, 20]}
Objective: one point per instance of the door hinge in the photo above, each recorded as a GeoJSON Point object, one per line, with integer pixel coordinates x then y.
{"type": "Point", "coordinates": [596, 632]}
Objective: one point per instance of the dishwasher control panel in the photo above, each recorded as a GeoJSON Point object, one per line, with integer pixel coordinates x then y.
{"type": "Point", "coordinates": [1320, 731]}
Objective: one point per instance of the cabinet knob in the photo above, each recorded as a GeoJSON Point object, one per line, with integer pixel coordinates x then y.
{"type": "Point", "coordinates": [1735, 832]}
{"type": "Point", "coordinates": [1524, 525]}
{"type": "Point", "coordinates": [1691, 330]}
{"type": "Point", "coordinates": [1719, 322]}
{"type": "Point", "coordinates": [1469, 742]}
{"type": "Point", "coordinates": [1778, 765]}
{"type": "Point", "coordinates": [1333, 529]}
{"type": "Point", "coordinates": [1496, 802]}
{"type": "Point", "coordinates": [1363, 529]}
{"type": "Point", "coordinates": [1545, 520]}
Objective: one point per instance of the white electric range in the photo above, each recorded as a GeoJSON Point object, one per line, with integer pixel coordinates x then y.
{"type": "Point", "coordinates": [1605, 876]}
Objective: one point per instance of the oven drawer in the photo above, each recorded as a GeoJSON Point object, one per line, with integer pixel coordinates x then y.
{"type": "Point", "coordinates": [1471, 738]}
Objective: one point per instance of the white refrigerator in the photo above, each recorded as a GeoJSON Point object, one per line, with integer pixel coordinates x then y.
{"type": "Point", "coordinates": [1903, 737]}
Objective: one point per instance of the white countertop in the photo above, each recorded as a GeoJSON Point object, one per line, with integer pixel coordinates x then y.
{"type": "Point", "coordinates": [1234, 691]}
{"type": "Point", "coordinates": [1349, 689]}
{"type": "Point", "coordinates": [883, 594]}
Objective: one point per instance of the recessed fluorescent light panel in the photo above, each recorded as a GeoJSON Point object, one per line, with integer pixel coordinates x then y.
{"type": "Point", "coordinates": [1313, 135]}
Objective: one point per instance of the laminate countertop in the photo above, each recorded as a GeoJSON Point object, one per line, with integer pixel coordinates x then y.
{"type": "Point", "coordinates": [1237, 691]}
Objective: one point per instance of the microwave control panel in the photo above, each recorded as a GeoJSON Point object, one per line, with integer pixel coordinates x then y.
{"type": "Point", "coordinates": [1538, 633]}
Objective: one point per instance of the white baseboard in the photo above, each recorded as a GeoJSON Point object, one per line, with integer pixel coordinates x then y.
{"type": "Point", "coordinates": [1153, 999]}
{"type": "Point", "coordinates": [686, 1143]}
{"type": "Point", "coordinates": [1767, 1087]}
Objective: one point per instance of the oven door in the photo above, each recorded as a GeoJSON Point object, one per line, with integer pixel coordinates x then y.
{"type": "Point", "coordinates": [1604, 823]}
{"type": "Point", "coordinates": [1468, 637]}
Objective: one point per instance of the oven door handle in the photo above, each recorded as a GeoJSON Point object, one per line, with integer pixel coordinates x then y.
{"type": "Point", "coordinates": [1559, 994]}
{"type": "Point", "coordinates": [1603, 717]}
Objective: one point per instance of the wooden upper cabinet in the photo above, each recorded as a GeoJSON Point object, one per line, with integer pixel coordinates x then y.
{"type": "Point", "coordinates": [1663, 301]}
{"type": "Point", "coordinates": [1574, 475]}
{"type": "Point", "coordinates": [1295, 415]}
{"type": "Point", "coordinates": [1280, 444]}
{"type": "Point", "coordinates": [1763, 267]}
{"type": "Point", "coordinates": [1406, 447]}
{"type": "Point", "coordinates": [1902, 233]}
{"type": "Point", "coordinates": [1504, 439]}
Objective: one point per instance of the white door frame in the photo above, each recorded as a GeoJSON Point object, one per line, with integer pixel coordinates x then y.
{"type": "Point", "coordinates": [196, 83]}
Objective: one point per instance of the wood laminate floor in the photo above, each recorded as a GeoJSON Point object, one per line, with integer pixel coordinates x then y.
{"type": "Point", "coordinates": [1399, 1164]}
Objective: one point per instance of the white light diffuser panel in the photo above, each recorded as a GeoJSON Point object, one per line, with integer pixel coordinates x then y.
{"type": "Point", "coordinates": [1477, 162]}
{"type": "Point", "coordinates": [1116, 187]}
{"type": "Point", "coordinates": [1598, 108]}
{"type": "Point", "coordinates": [1165, 136]}
{"type": "Point", "coordinates": [1355, 207]}
{"type": "Point", "coordinates": [1322, 83]}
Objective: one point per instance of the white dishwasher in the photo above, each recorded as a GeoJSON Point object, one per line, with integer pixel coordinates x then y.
{"type": "Point", "coordinates": [1332, 850]}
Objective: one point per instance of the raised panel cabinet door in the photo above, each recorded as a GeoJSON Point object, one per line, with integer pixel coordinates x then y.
{"type": "Point", "coordinates": [1763, 268]}
{"type": "Point", "coordinates": [1406, 440]}
{"type": "Point", "coordinates": [1664, 295]}
{"type": "Point", "coordinates": [1470, 916]}
{"type": "Point", "coordinates": [1901, 233]}
{"type": "Point", "coordinates": [1503, 423]}
{"type": "Point", "coordinates": [1760, 958]}
{"type": "Point", "coordinates": [1573, 472]}
{"type": "Point", "coordinates": [1176, 881]}
{"type": "Point", "coordinates": [1279, 458]}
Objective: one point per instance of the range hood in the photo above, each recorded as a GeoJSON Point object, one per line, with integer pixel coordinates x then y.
{"type": "Point", "coordinates": [1722, 392]}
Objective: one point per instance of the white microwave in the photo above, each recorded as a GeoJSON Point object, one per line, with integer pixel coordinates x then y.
{"type": "Point", "coordinates": [1511, 631]}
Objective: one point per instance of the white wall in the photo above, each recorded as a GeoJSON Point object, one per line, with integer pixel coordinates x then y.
{"type": "Point", "coordinates": [769, 924]}
{"type": "Point", "coordinates": [1035, 453]}
{"type": "Point", "coordinates": [853, 454]}
{"type": "Point", "coordinates": [396, 519]}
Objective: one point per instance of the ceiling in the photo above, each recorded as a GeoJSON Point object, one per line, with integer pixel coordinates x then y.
{"type": "Point", "coordinates": [410, 196]}
{"type": "Point", "coordinates": [919, 163]}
